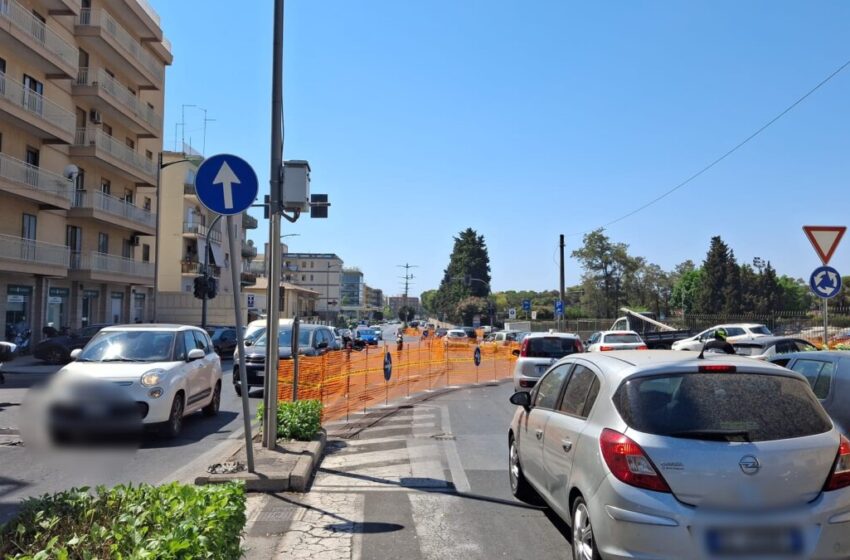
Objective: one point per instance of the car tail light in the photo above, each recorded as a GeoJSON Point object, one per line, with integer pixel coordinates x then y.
{"type": "Point", "coordinates": [629, 463]}
{"type": "Point", "coordinates": [840, 477]}
{"type": "Point", "coordinates": [642, 347]}
{"type": "Point", "coordinates": [523, 352]}
{"type": "Point", "coordinates": [527, 383]}
{"type": "Point", "coordinates": [718, 368]}
{"type": "Point", "coordinates": [579, 346]}
{"type": "Point", "coordinates": [606, 348]}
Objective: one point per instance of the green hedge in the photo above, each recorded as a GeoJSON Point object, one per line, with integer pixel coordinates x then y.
{"type": "Point", "coordinates": [143, 522]}
{"type": "Point", "coordinates": [300, 420]}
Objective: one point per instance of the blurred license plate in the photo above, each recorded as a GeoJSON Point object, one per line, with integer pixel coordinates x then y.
{"type": "Point", "coordinates": [762, 541]}
{"type": "Point", "coordinates": [541, 370]}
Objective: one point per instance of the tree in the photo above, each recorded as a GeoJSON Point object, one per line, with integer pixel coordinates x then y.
{"type": "Point", "coordinates": [469, 307]}
{"type": "Point", "coordinates": [428, 299]}
{"type": "Point", "coordinates": [406, 313]}
{"type": "Point", "coordinates": [468, 273]}
{"type": "Point", "coordinates": [608, 270]}
{"type": "Point", "coordinates": [732, 289]}
{"type": "Point", "coordinates": [686, 291]}
{"type": "Point", "coordinates": [710, 298]}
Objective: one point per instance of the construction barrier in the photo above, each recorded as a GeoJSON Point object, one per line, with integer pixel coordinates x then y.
{"type": "Point", "coordinates": [349, 381]}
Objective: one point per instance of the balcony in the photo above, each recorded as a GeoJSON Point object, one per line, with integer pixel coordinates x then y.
{"type": "Point", "coordinates": [133, 166]}
{"type": "Point", "coordinates": [109, 96]}
{"type": "Point", "coordinates": [98, 31]}
{"type": "Point", "coordinates": [35, 42]}
{"type": "Point", "coordinates": [248, 221]}
{"type": "Point", "coordinates": [112, 210]}
{"type": "Point", "coordinates": [35, 113]}
{"type": "Point", "coordinates": [196, 268]}
{"type": "Point", "coordinates": [100, 267]}
{"type": "Point", "coordinates": [195, 229]}
{"type": "Point", "coordinates": [32, 257]}
{"type": "Point", "coordinates": [63, 7]}
{"type": "Point", "coordinates": [21, 179]}
{"type": "Point", "coordinates": [248, 279]}
{"type": "Point", "coordinates": [248, 251]}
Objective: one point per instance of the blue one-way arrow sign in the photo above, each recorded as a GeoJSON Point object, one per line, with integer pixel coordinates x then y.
{"type": "Point", "coordinates": [226, 184]}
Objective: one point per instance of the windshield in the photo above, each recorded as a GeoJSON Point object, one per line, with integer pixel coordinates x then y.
{"type": "Point", "coordinates": [622, 339]}
{"type": "Point", "coordinates": [725, 407]}
{"type": "Point", "coordinates": [253, 333]}
{"type": "Point", "coordinates": [129, 346]}
{"type": "Point", "coordinates": [761, 329]}
{"type": "Point", "coordinates": [549, 347]}
{"type": "Point", "coordinates": [284, 338]}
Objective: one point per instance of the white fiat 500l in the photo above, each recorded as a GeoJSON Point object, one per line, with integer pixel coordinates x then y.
{"type": "Point", "coordinates": [168, 371]}
{"type": "Point", "coordinates": [654, 455]}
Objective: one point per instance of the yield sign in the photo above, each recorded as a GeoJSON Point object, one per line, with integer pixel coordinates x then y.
{"type": "Point", "coordinates": [825, 240]}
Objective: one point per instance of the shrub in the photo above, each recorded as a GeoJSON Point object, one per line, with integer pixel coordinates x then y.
{"type": "Point", "coordinates": [139, 522]}
{"type": "Point", "coordinates": [300, 420]}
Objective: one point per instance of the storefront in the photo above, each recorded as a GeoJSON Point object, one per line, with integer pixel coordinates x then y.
{"type": "Point", "coordinates": [138, 307]}
{"type": "Point", "coordinates": [89, 313]}
{"type": "Point", "coordinates": [18, 309]}
{"type": "Point", "coordinates": [58, 300]}
{"type": "Point", "coordinates": [116, 307]}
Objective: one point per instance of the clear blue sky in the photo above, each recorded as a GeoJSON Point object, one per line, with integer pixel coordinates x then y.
{"type": "Point", "coordinates": [524, 120]}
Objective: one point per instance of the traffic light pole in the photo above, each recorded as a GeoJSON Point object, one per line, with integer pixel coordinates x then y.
{"type": "Point", "coordinates": [207, 273]}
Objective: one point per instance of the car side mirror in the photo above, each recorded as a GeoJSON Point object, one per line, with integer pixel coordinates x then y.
{"type": "Point", "coordinates": [248, 342]}
{"type": "Point", "coordinates": [195, 354]}
{"type": "Point", "coordinates": [76, 353]}
{"type": "Point", "coordinates": [515, 353]}
{"type": "Point", "coordinates": [522, 398]}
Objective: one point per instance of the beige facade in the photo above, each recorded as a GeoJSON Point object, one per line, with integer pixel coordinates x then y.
{"type": "Point", "coordinates": [81, 104]}
{"type": "Point", "coordinates": [320, 272]}
{"type": "Point", "coordinates": [294, 300]}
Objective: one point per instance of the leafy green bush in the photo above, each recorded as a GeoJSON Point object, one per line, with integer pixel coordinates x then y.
{"type": "Point", "coordinates": [300, 420]}
{"type": "Point", "coordinates": [168, 522]}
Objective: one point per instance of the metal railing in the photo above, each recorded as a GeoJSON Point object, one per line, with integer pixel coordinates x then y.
{"type": "Point", "coordinates": [121, 94]}
{"type": "Point", "coordinates": [14, 248]}
{"type": "Point", "coordinates": [249, 221]}
{"type": "Point", "coordinates": [248, 251]}
{"type": "Point", "coordinates": [196, 267]}
{"type": "Point", "coordinates": [35, 178]}
{"type": "Point", "coordinates": [96, 137]}
{"type": "Point", "coordinates": [24, 20]}
{"type": "Point", "coordinates": [21, 96]}
{"type": "Point", "coordinates": [135, 50]}
{"type": "Point", "coordinates": [102, 262]}
{"type": "Point", "coordinates": [112, 205]}
{"type": "Point", "coordinates": [201, 229]}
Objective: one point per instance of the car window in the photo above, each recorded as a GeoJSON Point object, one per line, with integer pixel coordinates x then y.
{"type": "Point", "coordinates": [130, 345]}
{"type": "Point", "coordinates": [591, 397]}
{"type": "Point", "coordinates": [622, 339]}
{"type": "Point", "coordinates": [180, 349]}
{"type": "Point", "coordinates": [722, 407]}
{"type": "Point", "coordinates": [761, 329]}
{"type": "Point", "coordinates": [189, 341]}
{"type": "Point", "coordinates": [549, 387]}
{"type": "Point", "coordinates": [785, 347]}
{"type": "Point", "coordinates": [735, 331]}
{"type": "Point", "coordinates": [707, 334]}
{"type": "Point", "coordinates": [549, 347]}
{"type": "Point", "coordinates": [578, 389]}
{"type": "Point", "coordinates": [818, 373]}
{"type": "Point", "coordinates": [202, 342]}
{"type": "Point", "coordinates": [229, 335]}
{"type": "Point", "coordinates": [748, 349]}
{"type": "Point", "coordinates": [805, 346]}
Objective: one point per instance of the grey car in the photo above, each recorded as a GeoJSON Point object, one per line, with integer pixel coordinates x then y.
{"type": "Point", "coordinates": [652, 454]}
{"type": "Point", "coordinates": [828, 374]}
{"type": "Point", "coordinates": [765, 347]}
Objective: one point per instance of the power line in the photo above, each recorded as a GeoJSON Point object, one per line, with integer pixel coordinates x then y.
{"type": "Point", "coordinates": [724, 156]}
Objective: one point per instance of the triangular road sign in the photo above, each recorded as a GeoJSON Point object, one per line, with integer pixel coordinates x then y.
{"type": "Point", "coordinates": [825, 240]}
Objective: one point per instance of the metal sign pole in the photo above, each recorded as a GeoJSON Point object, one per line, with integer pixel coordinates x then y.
{"type": "Point", "coordinates": [296, 347]}
{"type": "Point", "coordinates": [825, 325]}
{"type": "Point", "coordinates": [240, 344]}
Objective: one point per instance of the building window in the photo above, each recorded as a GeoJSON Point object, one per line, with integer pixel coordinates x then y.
{"type": "Point", "coordinates": [103, 243]}
{"type": "Point", "coordinates": [311, 278]}
{"type": "Point", "coordinates": [130, 143]}
{"type": "Point", "coordinates": [127, 248]}
{"type": "Point", "coordinates": [107, 129]}
{"type": "Point", "coordinates": [148, 203]}
{"type": "Point", "coordinates": [146, 253]}
{"type": "Point", "coordinates": [105, 186]}
{"type": "Point", "coordinates": [28, 227]}
{"type": "Point", "coordinates": [303, 278]}
{"type": "Point", "coordinates": [149, 155]}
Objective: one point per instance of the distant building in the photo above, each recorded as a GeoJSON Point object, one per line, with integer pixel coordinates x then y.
{"type": "Point", "coordinates": [320, 272]}
{"type": "Point", "coordinates": [396, 302]}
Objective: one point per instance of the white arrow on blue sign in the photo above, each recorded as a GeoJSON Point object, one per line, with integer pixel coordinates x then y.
{"type": "Point", "coordinates": [559, 307]}
{"type": "Point", "coordinates": [226, 184]}
{"type": "Point", "coordinates": [825, 282]}
{"type": "Point", "coordinates": [526, 305]}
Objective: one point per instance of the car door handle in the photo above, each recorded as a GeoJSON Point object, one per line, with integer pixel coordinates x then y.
{"type": "Point", "coordinates": [567, 445]}
{"type": "Point", "coordinates": [539, 434]}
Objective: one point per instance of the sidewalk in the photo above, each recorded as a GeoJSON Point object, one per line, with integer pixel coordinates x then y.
{"type": "Point", "coordinates": [28, 364]}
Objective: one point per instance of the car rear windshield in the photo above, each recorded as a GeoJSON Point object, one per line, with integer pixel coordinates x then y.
{"type": "Point", "coordinates": [722, 407]}
{"type": "Point", "coordinates": [622, 339]}
{"type": "Point", "coordinates": [748, 350]}
{"type": "Point", "coordinates": [550, 347]}
{"type": "Point", "coordinates": [761, 329]}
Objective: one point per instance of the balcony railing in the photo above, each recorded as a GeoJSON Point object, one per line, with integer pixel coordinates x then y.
{"type": "Point", "coordinates": [96, 137]}
{"type": "Point", "coordinates": [101, 262]}
{"type": "Point", "coordinates": [248, 221]}
{"type": "Point", "coordinates": [149, 10]}
{"type": "Point", "coordinates": [33, 252]}
{"type": "Point", "coordinates": [248, 278]}
{"type": "Point", "coordinates": [112, 205]}
{"type": "Point", "coordinates": [248, 251]}
{"type": "Point", "coordinates": [119, 92]}
{"type": "Point", "coordinates": [36, 104]}
{"type": "Point", "coordinates": [34, 178]}
{"type": "Point", "coordinates": [101, 18]}
{"type": "Point", "coordinates": [201, 229]}
{"type": "Point", "coordinates": [196, 267]}
{"type": "Point", "coordinates": [24, 20]}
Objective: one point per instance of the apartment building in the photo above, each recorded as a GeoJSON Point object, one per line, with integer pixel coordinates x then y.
{"type": "Point", "coordinates": [320, 272]}
{"type": "Point", "coordinates": [81, 104]}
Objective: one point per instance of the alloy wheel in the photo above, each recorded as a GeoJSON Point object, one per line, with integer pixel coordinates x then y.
{"type": "Point", "coordinates": [582, 534]}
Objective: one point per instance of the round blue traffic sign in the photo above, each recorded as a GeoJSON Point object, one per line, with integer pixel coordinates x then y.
{"type": "Point", "coordinates": [388, 366]}
{"type": "Point", "coordinates": [825, 282]}
{"type": "Point", "coordinates": [476, 357]}
{"type": "Point", "coordinates": [226, 184]}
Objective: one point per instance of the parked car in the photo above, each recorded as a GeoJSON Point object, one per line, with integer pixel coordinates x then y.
{"type": "Point", "coordinates": [503, 337]}
{"type": "Point", "coordinates": [654, 333]}
{"type": "Point", "coordinates": [366, 335]}
{"type": "Point", "coordinates": [255, 330]}
{"type": "Point", "coordinates": [660, 455]}
{"type": "Point", "coordinates": [223, 339]}
{"type": "Point", "coordinates": [594, 338]}
{"type": "Point", "coordinates": [164, 371]}
{"type": "Point", "coordinates": [735, 332]}
{"type": "Point", "coordinates": [617, 340]}
{"type": "Point", "coordinates": [828, 373]}
{"type": "Point", "coordinates": [313, 340]}
{"type": "Point", "coordinates": [765, 347]}
{"type": "Point", "coordinates": [379, 333]}
{"type": "Point", "coordinates": [538, 352]}
{"type": "Point", "coordinates": [441, 332]}
{"type": "Point", "coordinates": [456, 334]}
{"type": "Point", "coordinates": [470, 332]}
{"type": "Point", "coordinates": [57, 350]}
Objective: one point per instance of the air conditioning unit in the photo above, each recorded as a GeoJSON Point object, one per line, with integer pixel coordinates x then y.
{"type": "Point", "coordinates": [136, 240]}
{"type": "Point", "coordinates": [94, 116]}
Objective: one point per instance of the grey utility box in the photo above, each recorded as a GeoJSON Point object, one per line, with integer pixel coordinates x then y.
{"type": "Point", "coordinates": [296, 185]}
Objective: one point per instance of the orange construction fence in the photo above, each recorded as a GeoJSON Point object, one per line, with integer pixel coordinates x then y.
{"type": "Point", "coordinates": [349, 381]}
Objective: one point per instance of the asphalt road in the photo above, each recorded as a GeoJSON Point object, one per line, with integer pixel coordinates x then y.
{"type": "Point", "coordinates": [26, 472]}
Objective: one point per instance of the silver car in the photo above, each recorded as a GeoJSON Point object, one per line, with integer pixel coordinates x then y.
{"type": "Point", "coordinates": [538, 351]}
{"type": "Point", "coordinates": [649, 454]}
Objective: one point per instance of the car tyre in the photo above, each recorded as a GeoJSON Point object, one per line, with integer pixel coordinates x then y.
{"type": "Point", "coordinates": [55, 356]}
{"type": "Point", "coordinates": [520, 487]}
{"type": "Point", "coordinates": [584, 543]}
{"type": "Point", "coordinates": [212, 408]}
{"type": "Point", "coordinates": [238, 389]}
{"type": "Point", "coordinates": [174, 425]}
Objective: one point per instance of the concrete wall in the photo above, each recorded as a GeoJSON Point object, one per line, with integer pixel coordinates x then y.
{"type": "Point", "coordinates": [177, 307]}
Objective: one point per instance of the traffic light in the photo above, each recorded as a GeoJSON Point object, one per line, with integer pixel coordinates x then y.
{"type": "Point", "coordinates": [212, 288]}
{"type": "Point", "coordinates": [200, 287]}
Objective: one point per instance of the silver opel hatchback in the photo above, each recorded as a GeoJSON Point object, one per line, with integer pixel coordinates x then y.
{"type": "Point", "coordinates": [649, 454]}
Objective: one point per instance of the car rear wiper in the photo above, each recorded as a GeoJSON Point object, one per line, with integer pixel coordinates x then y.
{"type": "Point", "coordinates": [713, 435]}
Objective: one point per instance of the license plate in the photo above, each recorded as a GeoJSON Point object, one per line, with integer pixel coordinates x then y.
{"type": "Point", "coordinates": [541, 370]}
{"type": "Point", "coordinates": [760, 541]}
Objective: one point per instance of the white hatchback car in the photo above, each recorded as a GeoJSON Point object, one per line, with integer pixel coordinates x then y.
{"type": "Point", "coordinates": [168, 371]}
{"type": "Point", "coordinates": [608, 341]}
{"type": "Point", "coordinates": [735, 332]}
{"type": "Point", "coordinates": [538, 351]}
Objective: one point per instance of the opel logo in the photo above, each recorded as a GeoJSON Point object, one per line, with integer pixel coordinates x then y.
{"type": "Point", "coordinates": [750, 465]}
